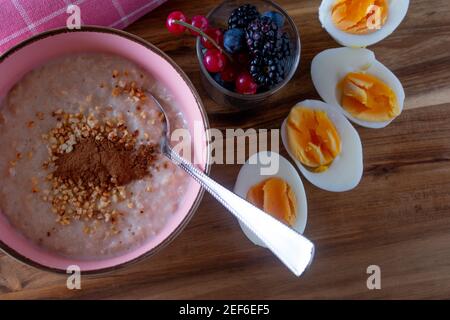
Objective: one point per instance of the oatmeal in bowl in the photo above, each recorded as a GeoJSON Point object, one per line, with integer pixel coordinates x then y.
{"type": "Point", "coordinates": [82, 178]}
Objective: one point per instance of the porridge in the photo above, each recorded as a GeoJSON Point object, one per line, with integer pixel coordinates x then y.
{"type": "Point", "coordinates": [81, 173]}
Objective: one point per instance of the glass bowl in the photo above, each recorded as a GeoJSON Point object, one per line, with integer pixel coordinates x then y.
{"type": "Point", "coordinates": [218, 18]}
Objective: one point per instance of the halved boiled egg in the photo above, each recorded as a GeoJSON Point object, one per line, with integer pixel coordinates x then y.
{"type": "Point", "coordinates": [271, 183]}
{"type": "Point", "coordinates": [361, 23]}
{"type": "Point", "coordinates": [368, 93]}
{"type": "Point", "coordinates": [324, 145]}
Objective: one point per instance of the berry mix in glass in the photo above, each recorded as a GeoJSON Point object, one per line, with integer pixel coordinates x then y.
{"type": "Point", "coordinates": [249, 57]}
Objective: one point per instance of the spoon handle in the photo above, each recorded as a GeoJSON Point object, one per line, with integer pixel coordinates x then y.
{"type": "Point", "coordinates": [294, 250]}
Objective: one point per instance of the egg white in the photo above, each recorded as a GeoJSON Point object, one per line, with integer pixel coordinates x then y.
{"type": "Point", "coordinates": [250, 175]}
{"type": "Point", "coordinates": [329, 67]}
{"type": "Point", "coordinates": [345, 172]}
{"type": "Point", "coordinates": [397, 12]}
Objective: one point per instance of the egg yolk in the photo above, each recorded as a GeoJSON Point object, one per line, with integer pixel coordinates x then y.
{"type": "Point", "coordinates": [313, 138]}
{"type": "Point", "coordinates": [368, 98]}
{"type": "Point", "coordinates": [359, 16]}
{"type": "Point", "coordinates": [275, 197]}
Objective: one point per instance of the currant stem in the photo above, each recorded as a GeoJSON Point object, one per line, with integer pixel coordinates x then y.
{"type": "Point", "coordinates": [203, 34]}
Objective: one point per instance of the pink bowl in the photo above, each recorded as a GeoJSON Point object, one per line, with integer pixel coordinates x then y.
{"type": "Point", "coordinates": [16, 62]}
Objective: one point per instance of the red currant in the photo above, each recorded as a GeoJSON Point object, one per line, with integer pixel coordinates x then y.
{"type": "Point", "coordinates": [199, 22]}
{"type": "Point", "coordinates": [245, 84]}
{"type": "Point", "coordinates": [214, 60]}
{"type": "Point", "coordinates": [172, 26]}
{"type": "Point", "coordinates": [229, 74]}
{"type": "Point", "coordinates": [215, 34]}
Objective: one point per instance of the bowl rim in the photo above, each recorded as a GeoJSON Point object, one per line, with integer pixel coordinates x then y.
{"type": "Point", "coordinates": [129, 36]}
{"type": "Point", "coordinates": [279, 86]}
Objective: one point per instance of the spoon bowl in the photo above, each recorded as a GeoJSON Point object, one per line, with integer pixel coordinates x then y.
{"type": "Point", "coordinates": [293, 249]}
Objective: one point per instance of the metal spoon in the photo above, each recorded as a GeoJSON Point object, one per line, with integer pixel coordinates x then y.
{"type": "Point", "coordinates": [293, 249]}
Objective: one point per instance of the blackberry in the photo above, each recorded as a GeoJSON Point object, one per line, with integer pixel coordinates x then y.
{"type": "Point", "coordinates": [284, 46]}
{"type": "Point", "coordinates": [242, 16]}
{"type": "Point", "coordinates": [266, 71]}
{"type": "Point", "coordinates": [261, 35]}
{"type": "Point", "coordinates": [280, 49]}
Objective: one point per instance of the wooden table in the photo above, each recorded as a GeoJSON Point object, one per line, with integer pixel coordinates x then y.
{"type": "Point", "coordinates": [398, 218]}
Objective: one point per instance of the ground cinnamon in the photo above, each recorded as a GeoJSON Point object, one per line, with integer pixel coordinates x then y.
{"type": "Point", "coordinates": [93, 160]}
{"type": "Point", "coordinates": [103, 162]}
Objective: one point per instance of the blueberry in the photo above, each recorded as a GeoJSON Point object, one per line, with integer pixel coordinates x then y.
{"type": "Point", "coordinates": [234, 40]}
{"type": "Point", "coordinates": [276, 17]}
{"type": "Point", "coordinates": [227, 85]}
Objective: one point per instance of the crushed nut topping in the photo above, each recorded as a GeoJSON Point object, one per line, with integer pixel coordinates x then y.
{"type": "Point", "coordinates": [93, 160]}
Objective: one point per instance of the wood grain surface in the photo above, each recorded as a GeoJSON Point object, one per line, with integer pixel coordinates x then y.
{"type": "Point", "coordinates": [397, 218]}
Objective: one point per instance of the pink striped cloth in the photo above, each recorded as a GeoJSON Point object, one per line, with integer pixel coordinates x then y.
{"type": "Point", "coordinates": [20, 19]}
